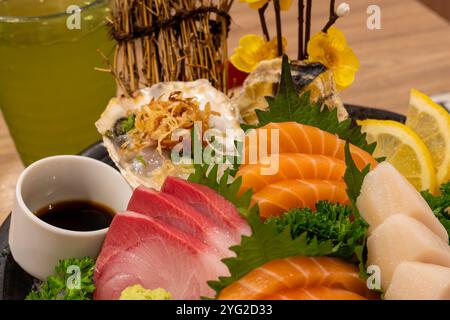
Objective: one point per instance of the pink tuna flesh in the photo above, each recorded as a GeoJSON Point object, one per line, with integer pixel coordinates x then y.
{"type": "Point", "coordinates": [174, 211]}
{"type": "Point", "coordinates": [209, 203]}
{"type": "Point", "coordinates": [142, 250]}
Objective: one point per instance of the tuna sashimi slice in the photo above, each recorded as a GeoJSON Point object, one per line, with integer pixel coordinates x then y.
{"type": "Point", "coordinates": [209, 203]}
{"type": "Point", "coordinates": [142, 250]}
{"type": "Point", "coordinates": [281, 196]}
{"type": "Point", "coordinates": [315, 293]}
{"type": "Point", "coordinates": [292, 166]}
{"type": "Point", "coordinates": [178, 213]}
{"type": "Point", "coordinates": [292, 273]}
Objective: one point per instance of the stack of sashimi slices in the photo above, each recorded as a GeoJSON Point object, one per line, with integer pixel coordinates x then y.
{"type": "Point", "coordinates": [309, 167]}
{"type": "Point", "coordinates": [406, 241]}
{"type": "Point", "coordinates": [174, 239]}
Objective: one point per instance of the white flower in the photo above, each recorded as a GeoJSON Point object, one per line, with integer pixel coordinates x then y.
{"type": "Point", "coordinates": [343, 9]}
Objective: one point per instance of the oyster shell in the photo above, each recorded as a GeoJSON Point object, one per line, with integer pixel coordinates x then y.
{"type": "Point", "coordinates": [158, 166]}
{"type": "Point", "coordinates": [264, 80]}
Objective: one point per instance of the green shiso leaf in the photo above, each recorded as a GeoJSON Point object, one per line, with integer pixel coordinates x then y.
{"type": "Point", "coordinates": [268, 241]}
{"type": "Point", "coordinates": [289, 106]}
{"type": "Point", "coordinates": [208, 175]}
{"type": "Point", "coordinates": [354, 180]}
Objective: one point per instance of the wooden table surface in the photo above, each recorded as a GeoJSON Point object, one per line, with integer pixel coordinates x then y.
{"type": "Point", "coordinates": [411, 50]}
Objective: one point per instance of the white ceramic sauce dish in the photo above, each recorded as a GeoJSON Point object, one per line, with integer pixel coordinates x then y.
{"type": "Point", "coordinates": [38, 246]}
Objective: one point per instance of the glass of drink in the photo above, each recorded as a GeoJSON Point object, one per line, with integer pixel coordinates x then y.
{"type": "Point", "coordinates": [50, 92]}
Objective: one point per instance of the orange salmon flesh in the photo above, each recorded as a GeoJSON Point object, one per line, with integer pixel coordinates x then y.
{"type": "Point", "coordinates": [292, 166]}
{"type": "Point", "coordinates": [298, 138]}
{"type": "Point", "coordinates": [298, 277]}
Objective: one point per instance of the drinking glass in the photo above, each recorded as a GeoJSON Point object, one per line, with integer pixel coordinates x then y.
{"type": "Point", "coordinates": [50, 92]}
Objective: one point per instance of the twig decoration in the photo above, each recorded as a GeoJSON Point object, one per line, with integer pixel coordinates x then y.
{"type": "Point", "coordinates": [308, 27]}
{"type": "Point", "coordinates": [301, 9]}
{"type": "Point", "coordinates": [262, 19]}
{"type": "Point", "coordinates": [170, 40]}
{"type": "Point", "coordinates": [276, 4]}
{"type": "Point", "coordinates": [333, 17]}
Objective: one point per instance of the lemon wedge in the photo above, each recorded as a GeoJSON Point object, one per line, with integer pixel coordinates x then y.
{"type": "Point", "coordinates": [431, 122]}
{"type": "Point", "coordinates": [404, 149]}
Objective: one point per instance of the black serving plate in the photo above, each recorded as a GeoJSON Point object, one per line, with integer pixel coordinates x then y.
{"type": "Point", "coordinates": [16, 283]}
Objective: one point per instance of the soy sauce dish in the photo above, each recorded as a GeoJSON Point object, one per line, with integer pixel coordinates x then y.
{"type": "Point", "coordinates": [62, 208]}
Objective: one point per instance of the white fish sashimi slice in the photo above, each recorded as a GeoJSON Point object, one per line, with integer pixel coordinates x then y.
{"type": "Point", "coordinates": [401, 238]}
{"type": "Point", "coordinates": [419, 281]}
{"type": "Point", "coordinates": [385, 192]}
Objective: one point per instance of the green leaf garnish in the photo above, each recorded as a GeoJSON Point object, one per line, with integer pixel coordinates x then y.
{"type": "Point", "coordinates": [440, 204]}
{"type": "Point", "coordinates": [56, 288]}
{"type": "Point", "coordinates": [354, 180]}
{"type": "Point", "coordinates": [330, 222]}
{"type": "Point", "coordinates": [289, 106]}
{"type": "Point", "coordinates": [208, 175]}
{"type": "Point", "coordinates": [127, 124]}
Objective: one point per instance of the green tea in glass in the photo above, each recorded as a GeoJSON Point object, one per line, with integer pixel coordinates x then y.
{"type": "Point", "coordinates": [50, 92]}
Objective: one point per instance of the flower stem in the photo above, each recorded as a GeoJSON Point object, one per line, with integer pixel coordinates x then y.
{"type": "Point", "coordinates": [332, 4]}
{"type": "Point", "coordinates": [308, 26]}
{"type": "Point", "coordinates": [262, 19]}
{"type": "Point", "coordinates": [301, 8]}
{"type": "Point", "coordinates": [332, 19]}
{"type": "Point", "coordinates": [276, 4]}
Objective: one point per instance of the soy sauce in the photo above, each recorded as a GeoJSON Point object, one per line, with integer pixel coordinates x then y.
{"type": "Point", "coordinates": [77, 215]}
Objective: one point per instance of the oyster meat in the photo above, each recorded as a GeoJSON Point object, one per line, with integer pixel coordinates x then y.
{"type": "Point", "coordinates": [147, 160]}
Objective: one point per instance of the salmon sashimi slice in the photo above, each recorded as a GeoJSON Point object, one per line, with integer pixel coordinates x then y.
{"type": "Point", "coordinates": [293, 273]}
{"type": "Point", "coordinates": [292, 166]}
{"type": "Point", "coordinates": [281, 196]}
{"type": "Point", "coordinates": [315, 293]}
{"type": "Point", "coordinates": [299, 138]}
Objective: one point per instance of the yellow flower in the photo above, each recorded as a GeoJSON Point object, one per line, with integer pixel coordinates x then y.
{"type": "Point", "coordinates": [257, 4]}
{"type": "Point", "coordinates": [332, 51]}
{"type": "Point", "coordinates": [252, 50]}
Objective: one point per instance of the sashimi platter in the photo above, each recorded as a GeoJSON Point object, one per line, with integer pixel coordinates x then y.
{"type": "Point", "coordinates": [268, 191]}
